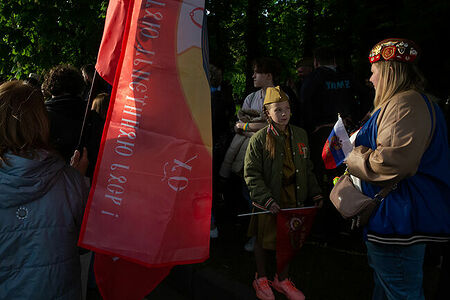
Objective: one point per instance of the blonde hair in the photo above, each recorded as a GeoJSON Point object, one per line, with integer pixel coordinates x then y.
{"type": "Point", "coordinates": [24, 125]}
{"type": "Point", "coordinates": [270, 138]}
{"type": "Point", "coordinates": [396, 77]}
{"type": "Point", "coordinates": [100, 104]}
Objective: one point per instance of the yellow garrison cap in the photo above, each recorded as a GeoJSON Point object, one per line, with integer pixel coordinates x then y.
{"type": "Point", "coordinates": [275, 94]}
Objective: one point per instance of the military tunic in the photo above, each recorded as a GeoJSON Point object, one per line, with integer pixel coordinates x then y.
{"type": "Point", "coordinates": [288, 179]}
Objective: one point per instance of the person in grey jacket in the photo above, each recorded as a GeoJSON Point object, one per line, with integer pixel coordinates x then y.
{"type": "Point", "coordinates": [41, 203]}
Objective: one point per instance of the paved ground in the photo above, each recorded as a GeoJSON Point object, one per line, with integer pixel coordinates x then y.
{"type": "Point", "coordinates": [331, 266]}
{"type": "Point", "coordinates": [323, 271]}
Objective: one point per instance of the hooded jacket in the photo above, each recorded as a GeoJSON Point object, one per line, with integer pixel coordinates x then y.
{"type": "Point", "coordinates": [41, 209]}
{"type": "Point", "coordinates": [234, 157]}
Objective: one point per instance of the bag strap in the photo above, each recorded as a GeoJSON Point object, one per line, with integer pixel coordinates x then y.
{"type": "Point", "coordinates": [386, 190]}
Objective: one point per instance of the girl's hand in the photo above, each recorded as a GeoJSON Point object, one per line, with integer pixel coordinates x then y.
{"type": "Point", "coordinates": [274, 208]}
{"type": "Point", "coordinates": [319, 203]}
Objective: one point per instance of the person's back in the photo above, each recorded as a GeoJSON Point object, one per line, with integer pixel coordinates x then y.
{"type": "Point", "coordinates": [327, 92]}
{"type": "Point", "coordinates": [41, 203]}
{"type": "Point", "coordinates": [65, 108]}
{"type": "Point", "coordinates": [222, 110]}
{"type": "Point", "coordinates": [41, 210]}
{"type": "Point", "coordinates": [93, 130]}
{"type": "Point", "coordinates": [330, 90]}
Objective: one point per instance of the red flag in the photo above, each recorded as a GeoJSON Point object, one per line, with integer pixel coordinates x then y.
{"type": "Point", "coordinates": [150, 200]}
{"type": "Point", "coordinates": [135, 281]}
{"type": "Point", "coordinates": [293, 226]}
{"type": "Point", "coordinates": [111, 45]}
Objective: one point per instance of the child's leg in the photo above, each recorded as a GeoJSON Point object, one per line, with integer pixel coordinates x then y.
{"type": "Point", "coordinates": [260, 258]}
{"type": "Point", "coordinates": [284, 273]}
{"type": "Point", "coordinates": [284, 285]}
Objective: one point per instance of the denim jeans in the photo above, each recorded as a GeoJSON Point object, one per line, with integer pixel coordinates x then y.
{"type": "Point", "coordinates": [397, 271]}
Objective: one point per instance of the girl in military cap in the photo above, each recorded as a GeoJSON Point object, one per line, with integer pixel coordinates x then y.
{"type": "Point", "coordinates": [278, 173]}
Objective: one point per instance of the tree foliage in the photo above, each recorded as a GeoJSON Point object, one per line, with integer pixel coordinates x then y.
{"type": "Point", "coordinates": [291, 29]}
{"type": "Point", "coordinates": [37, 34]}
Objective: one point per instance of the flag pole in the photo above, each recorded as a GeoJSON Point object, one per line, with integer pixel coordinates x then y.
{"type": "Point", "coordinates": [268, 211]}
{"type": "Point", "coordinates": [255, 213]}
{"type": "Point", "coordinates": [86, 112]}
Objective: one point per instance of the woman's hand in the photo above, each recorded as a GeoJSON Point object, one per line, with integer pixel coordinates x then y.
{"type": "Point", "coordinates": [80, 162]}
{"type": "Point", "coordinates": [274, 208]}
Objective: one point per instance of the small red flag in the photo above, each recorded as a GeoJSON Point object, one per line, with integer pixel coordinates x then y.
{"type": "Point", "coordinates": [293, 226]}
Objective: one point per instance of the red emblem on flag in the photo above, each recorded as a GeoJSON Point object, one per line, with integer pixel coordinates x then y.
{"type": "Point", "coordinates": [293, 226]}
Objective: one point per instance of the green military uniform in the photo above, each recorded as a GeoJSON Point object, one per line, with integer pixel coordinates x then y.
{"type": "Point", "coordinates": [288, 179]}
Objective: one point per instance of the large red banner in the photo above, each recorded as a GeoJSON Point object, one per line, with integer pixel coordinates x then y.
{"type": "Point", "coordinates": [150, 201]}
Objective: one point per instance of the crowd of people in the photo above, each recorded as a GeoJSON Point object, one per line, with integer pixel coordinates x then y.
{"type": "Point", "coordinates": [45, 172]}
{"type": "Point", "coordinates": [391, 148]}
{"type": "Point", "coordinates": [269, 150]}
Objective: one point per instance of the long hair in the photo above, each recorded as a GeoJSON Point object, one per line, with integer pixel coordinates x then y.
{"type": "Point", "coordinates": [270, 138]}
{"type": "Point", "coordinates": [24, 125]}
{"type": "Point", "coordinates": [100, 104]}
{"type": "Point", "coordinates": [396, 77]}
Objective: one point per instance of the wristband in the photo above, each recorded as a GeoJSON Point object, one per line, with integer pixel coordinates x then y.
{"type": "Point", "coordinates": [245, 127]}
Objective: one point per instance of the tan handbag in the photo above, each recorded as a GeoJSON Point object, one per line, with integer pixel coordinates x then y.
{"type": "Point", "coordinates": [353, 204]}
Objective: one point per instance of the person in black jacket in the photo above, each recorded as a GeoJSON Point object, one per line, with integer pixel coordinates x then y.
{"type": "Point", "coordinates": [222, 110]}
{"type": "Point", "coordinates": [64, 86]}
{"type": "Point", "coordinates": [325, 93]}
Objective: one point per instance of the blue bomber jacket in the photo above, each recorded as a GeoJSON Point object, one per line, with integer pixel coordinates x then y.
{"type": "Point", "coordinates": [394, 146]}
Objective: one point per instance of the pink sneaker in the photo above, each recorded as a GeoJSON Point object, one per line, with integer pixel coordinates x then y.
{"type": "Point", "coordinates": [287, 288]}
{"type": "Point", "coordinates": [262, 288]}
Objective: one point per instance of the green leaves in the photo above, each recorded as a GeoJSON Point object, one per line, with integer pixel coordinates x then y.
{"type": "Point", "coordinates": [38, 34]}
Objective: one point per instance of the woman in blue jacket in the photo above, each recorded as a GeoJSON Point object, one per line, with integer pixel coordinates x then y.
{"type": "Point", "coordinates": [41, 203]}
{"type": "Point", "coordinates": [403, 145]}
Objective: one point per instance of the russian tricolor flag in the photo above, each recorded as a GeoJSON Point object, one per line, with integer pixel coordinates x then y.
{"type": "Point", "coordinates": [337, 146]}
